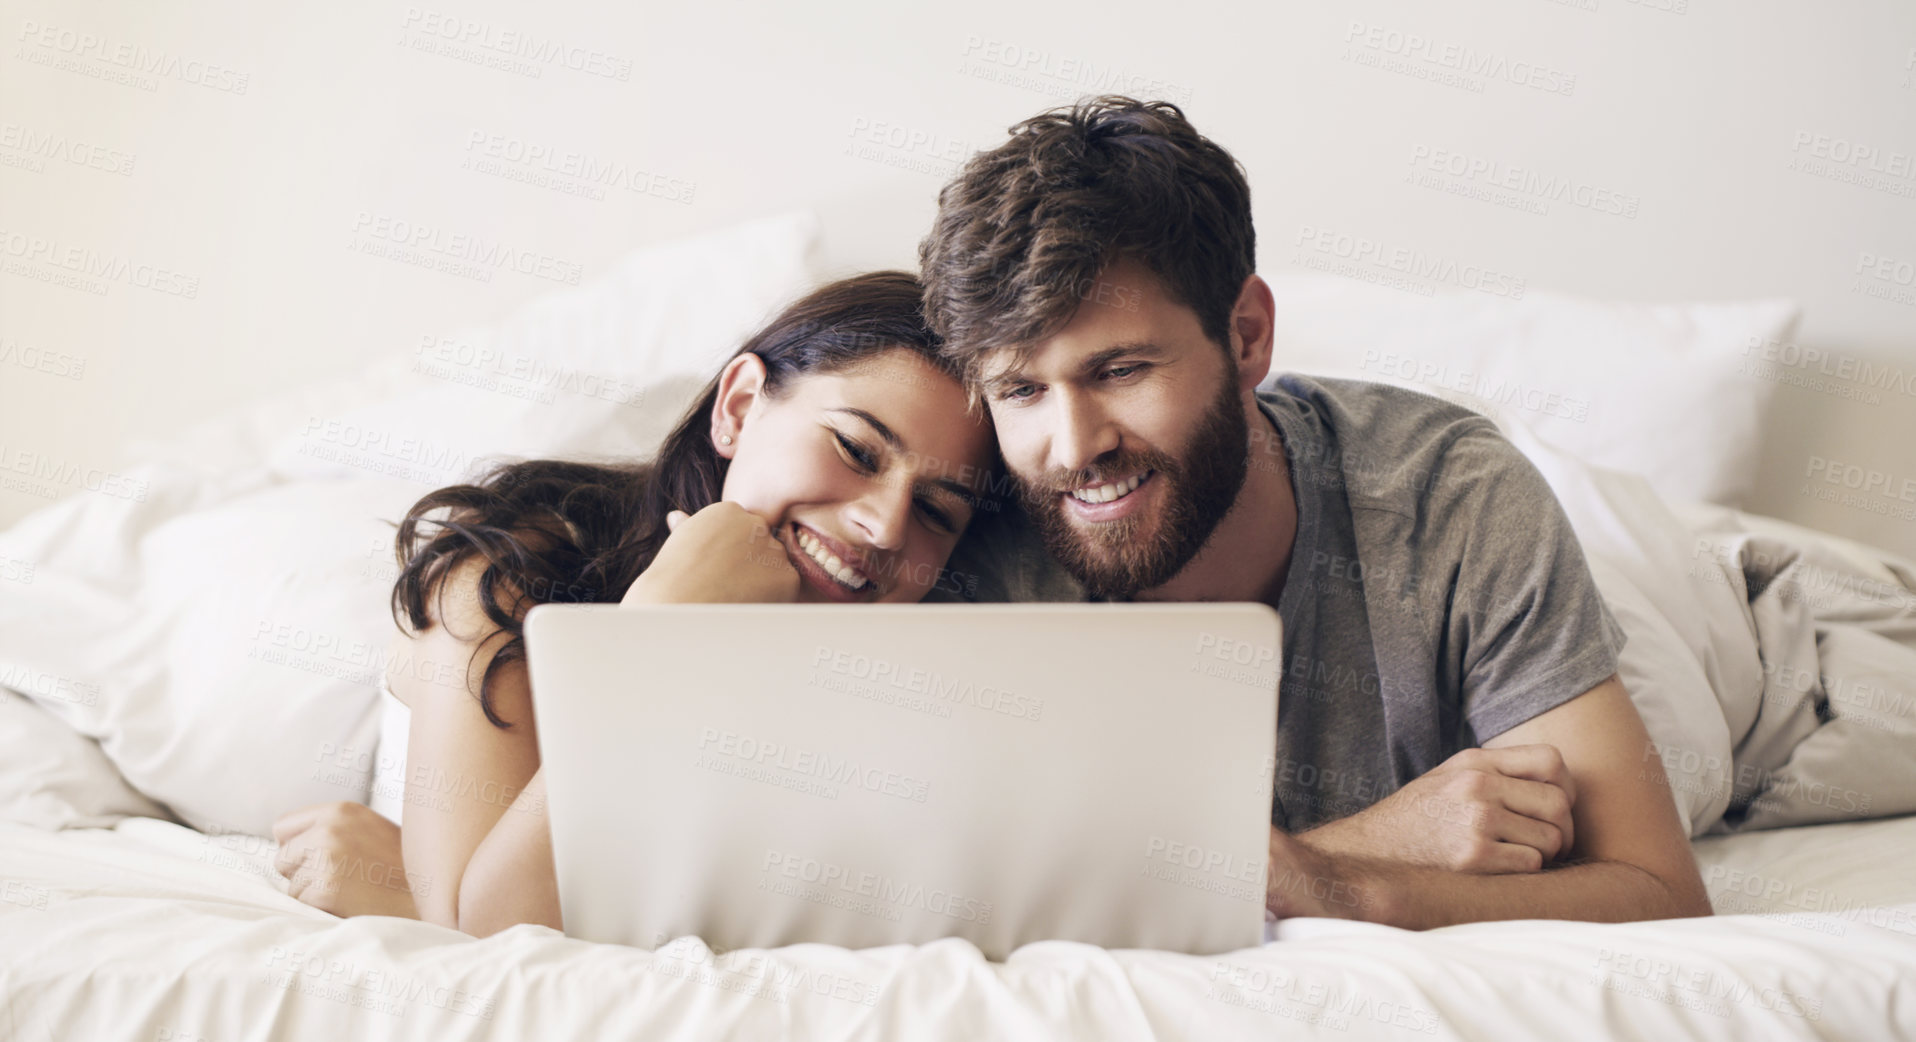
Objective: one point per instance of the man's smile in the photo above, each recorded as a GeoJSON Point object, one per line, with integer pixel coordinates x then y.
{"type": "Point", "coordinates": [1111, 500]}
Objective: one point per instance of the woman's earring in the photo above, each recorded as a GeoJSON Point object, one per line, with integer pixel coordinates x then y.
{"type": "Point", "coordinates": [725, 439]}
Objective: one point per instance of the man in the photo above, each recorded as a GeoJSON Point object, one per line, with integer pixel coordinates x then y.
{"type": "Point", "coordinates": [1454, 744]}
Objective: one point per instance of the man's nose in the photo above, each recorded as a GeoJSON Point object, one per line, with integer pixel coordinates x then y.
{"type": "Point", "coordinates": [1084, 432]}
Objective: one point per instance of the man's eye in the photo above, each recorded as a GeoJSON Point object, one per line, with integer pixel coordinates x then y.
{"type": "Point", "coordinates": [1018, 393]}
{"type": "Point", "coordinates": [865, 460]}
{"type": "Point", "coordinates": [1119, 372]}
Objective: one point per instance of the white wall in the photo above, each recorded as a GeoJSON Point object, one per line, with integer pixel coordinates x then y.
{"type": "Point", "coordinates": [244, 171]}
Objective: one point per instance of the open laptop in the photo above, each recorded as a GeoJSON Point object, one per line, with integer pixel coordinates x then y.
{"type": "Point", "coordinates": [863, 775]}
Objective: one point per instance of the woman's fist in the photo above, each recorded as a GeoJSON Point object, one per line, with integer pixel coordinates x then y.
{"type": "Point", "coordinates": [723, 554]}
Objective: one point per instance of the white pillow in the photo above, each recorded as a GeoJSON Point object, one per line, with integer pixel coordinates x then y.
{"type": "Point", "coordinates": [571, 375]}
{"type": "Point", "coordinates": [52, 777]}
{"type": "Point", "coordinates": [567, 374]}
{"type": "Point", "coordinates": [222, 634]}
{"type": "Point", "coordinates": [1653, 389]}
{"type": "Point", "coordinates": [1687, 643]}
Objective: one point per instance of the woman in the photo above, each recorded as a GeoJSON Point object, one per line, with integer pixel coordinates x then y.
{"type": "Point", "coordinates": [834, 459]}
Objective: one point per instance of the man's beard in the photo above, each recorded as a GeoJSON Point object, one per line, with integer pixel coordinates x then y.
{"type": "Point", "coordinates": [1114, 560]}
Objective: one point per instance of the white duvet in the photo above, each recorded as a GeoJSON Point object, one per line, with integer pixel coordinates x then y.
{"type": "Point", "coordinates": [151, 931]}
{"type": "Point", "coordinates": [1774, 667]}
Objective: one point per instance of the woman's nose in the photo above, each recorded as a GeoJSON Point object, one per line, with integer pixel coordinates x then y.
{"type": "Point", "coordinates": [883, 515]}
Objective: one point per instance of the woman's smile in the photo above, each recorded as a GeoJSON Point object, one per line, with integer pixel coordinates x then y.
{"type": "Point", "coordinates": [827, 565]}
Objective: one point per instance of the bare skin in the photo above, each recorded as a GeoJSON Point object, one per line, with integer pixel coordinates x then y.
{"type": "Point", "coordinates": [873, 463]}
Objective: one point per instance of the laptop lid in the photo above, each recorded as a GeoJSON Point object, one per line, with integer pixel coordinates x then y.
{"type": "Point", "coordinates": [863, 775]}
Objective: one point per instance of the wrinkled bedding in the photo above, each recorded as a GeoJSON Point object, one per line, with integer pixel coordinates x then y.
{"type": "Point", "coordinates": [152, 931]}
{"type": "Point", "coordinates": [1774, 666]}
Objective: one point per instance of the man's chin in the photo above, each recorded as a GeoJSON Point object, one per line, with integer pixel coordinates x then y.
{"type": "Point", "coordinates": [1106, 565]}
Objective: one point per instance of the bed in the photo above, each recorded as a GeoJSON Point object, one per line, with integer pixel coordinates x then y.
{"type": "Point", "coordinates": [151, 930]}
{"type": "Point", "coordinates": [186, 658]}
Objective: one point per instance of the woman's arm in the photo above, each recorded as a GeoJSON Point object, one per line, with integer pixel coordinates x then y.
{"type": "Point", "coordinates": [465, 777]}
{"type": "Point", "coordinates": [477, 843]}
{"type": "Point", "coordinates": [510, 879]}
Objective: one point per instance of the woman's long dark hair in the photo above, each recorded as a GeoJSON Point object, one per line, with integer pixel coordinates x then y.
{"type": "Point", "coordinates": [552, 530]}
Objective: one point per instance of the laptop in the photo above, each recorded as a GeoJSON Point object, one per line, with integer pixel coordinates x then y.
{"type": "Point", "coordinates": [865, 775]}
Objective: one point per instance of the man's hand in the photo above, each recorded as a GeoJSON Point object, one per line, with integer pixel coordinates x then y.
{"type": "Point", "coordinates": [1629, 858]}
{"type": "Point", "coordinates": [344, 858]}
{"type": "Point", "coordinates": [723, 554]}
{"type": "Point", "coordinates": [1483, 810]}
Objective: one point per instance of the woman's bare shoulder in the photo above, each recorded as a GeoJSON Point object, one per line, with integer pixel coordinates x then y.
{"type": "Point", "coordinates": [450, 655]}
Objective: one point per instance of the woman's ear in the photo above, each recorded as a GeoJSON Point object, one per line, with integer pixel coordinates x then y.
{"type": "Point", "coordinates": [741, 383]}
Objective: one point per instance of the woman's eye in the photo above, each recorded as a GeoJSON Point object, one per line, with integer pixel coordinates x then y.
{"type": "Point", "coordinates": [858, 453]}
{"type": "Point", "coordinates": [1019, 393]}
{"type": "Point", "coordinates": [938, 518]}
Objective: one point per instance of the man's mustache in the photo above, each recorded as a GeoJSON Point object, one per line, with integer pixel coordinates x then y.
{"type": "Point", "coordinates": [1062, 481]}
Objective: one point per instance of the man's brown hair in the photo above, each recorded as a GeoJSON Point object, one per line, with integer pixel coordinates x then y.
{"type": "Point", "coordinates": [1025, 229]}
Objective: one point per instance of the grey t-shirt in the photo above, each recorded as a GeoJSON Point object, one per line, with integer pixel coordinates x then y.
{"type": "Point", "coordinates": [1436, 597]}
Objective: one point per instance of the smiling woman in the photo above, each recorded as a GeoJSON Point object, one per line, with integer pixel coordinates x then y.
{"type": "Point", "coordinates": [834, 459]}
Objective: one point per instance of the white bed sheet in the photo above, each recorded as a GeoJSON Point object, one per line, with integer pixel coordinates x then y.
{"type": "Point", "coordinates": [152, 931]}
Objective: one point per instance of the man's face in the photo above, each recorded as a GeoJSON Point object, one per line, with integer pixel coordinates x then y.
{"type": "Point", "coordinates": [1126, 432]}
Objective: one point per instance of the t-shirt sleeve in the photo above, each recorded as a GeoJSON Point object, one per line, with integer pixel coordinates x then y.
{"type": "Point", "coordinates": [1526, 622]}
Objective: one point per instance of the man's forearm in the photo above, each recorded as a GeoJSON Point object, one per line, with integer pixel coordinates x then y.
{"type": "Point", "coordinates": [1423, 898]}
{"type": "Point", "coordinates": [1345, 837]}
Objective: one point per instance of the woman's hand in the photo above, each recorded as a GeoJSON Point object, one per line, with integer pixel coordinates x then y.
{"type": "Point", "coordinates": [344, 858]}
{"type": "Point", "coordinates": [721, 555]}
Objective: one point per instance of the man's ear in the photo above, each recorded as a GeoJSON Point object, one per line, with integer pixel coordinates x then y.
{"type": "Point", "coordinates": [1253, 321]}
{"type": "Point", "coordinates": [741, 384]}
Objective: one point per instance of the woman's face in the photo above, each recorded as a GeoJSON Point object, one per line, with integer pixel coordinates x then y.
{"type": "Point", "coordinates": [867, 475]}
